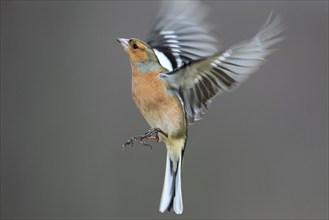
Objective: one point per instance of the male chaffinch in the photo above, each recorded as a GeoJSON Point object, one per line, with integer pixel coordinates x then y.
{"type": "Point", "coordinates": [178, 72]}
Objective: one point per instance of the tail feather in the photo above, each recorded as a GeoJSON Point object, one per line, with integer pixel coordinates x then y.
{"type": "Point", "coordinates": [172, 190]}
{"type": "Point", "coordinates": [168, 187]}
{"type": "Point", "coordinates": [178, 200]}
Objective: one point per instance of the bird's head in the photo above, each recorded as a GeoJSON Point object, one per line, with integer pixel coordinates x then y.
{"type": "Point", "coordinates": [141, 55]}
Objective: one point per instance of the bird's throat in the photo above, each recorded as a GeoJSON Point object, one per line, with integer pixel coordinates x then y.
{"type": "Point", "coordinates": [147, 67]}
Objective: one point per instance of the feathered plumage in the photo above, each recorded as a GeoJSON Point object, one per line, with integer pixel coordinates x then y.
{"type": "Point", "coordinates": [179, 71]}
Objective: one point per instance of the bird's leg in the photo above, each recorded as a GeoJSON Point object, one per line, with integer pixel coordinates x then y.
{"type": "Point", "coordinates": [154, 132]}
{"type": "Point", "coordinates": [151, 134]}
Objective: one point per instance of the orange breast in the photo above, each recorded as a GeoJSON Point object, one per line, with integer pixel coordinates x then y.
{"type": "Point", "coordinates": [158, 108]}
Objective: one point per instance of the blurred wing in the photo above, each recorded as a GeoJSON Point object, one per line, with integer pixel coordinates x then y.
{"type": "Point", "coordinates": [180, 33]}
{"type": "Point", "coordinates": [198, 82]}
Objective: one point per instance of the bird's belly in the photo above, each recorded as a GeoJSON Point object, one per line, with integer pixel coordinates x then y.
{"type": "Point", "coordinates": [158, 108]}
{"type": "Point", "coordinates": [166, 119]}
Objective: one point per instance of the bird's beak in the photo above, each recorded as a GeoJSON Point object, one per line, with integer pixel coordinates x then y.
{"type": "Point", "coordinates": [124, 43]}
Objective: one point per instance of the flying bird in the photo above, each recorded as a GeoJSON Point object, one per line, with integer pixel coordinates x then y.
{"type": "Point", "coordinates": [179, 70]}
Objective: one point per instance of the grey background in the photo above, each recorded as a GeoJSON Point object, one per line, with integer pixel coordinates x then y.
{"type": "Point", "coordinates": [260, 152]}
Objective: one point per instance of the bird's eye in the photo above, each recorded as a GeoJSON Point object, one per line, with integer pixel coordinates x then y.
{"type": "Point", "coordinates": [135, 46]}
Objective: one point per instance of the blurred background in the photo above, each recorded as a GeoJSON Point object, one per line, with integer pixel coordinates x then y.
{"type": "Point", "coordinates": [260, 151]}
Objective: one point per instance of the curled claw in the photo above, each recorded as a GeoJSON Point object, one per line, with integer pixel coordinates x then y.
{"type": "Point", "coordinates": [147, 145]}
{"type": "Point", "coordinates": [128, 142]}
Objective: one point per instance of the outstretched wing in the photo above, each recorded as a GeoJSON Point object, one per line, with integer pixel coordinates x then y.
{"type": "Point", "coordinates": [198, 82]}
{"type": "Point", "coordinates": [180, 33]}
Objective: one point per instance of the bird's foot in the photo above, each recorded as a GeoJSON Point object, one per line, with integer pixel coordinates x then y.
{"type": "Point", "coordinates": [149, 135]}
{"type": "Point", "coordinates": [139, 138]}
